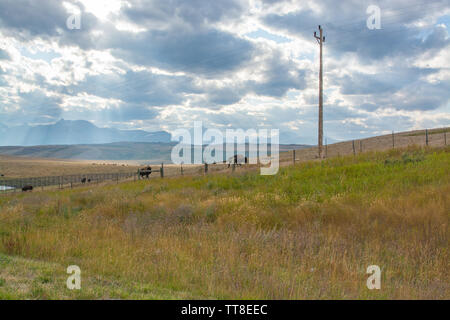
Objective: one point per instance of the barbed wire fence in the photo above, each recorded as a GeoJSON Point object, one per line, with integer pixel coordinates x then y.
{"type": "Point", "coordinates": [13, 185]}
{"type": "Point", "coordinates": [436, 137]}
{"type": "Point", "coordinates": [422, 138]}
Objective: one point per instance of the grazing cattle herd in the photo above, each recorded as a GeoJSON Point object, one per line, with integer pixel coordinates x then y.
{"type": "Point", "coordinates": [236, 160]}
{"type": "Point", "coordinates": [30, 188]}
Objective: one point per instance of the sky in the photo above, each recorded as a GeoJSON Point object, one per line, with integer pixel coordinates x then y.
{"type": "Point", "coordinates": [161, 65]}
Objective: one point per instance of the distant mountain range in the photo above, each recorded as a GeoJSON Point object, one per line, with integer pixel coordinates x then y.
{"type": "Point", "coordinates": [68, 132]}
{"type": "Point", "coordinates": [79, 139]}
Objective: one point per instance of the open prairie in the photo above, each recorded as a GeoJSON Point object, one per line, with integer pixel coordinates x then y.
{"type": "Point", "coordinates": [308, 232]}
{"type": "Point", "coordinates": [19, 167]}
{"type": "Point", "coordinates": [24, 167]}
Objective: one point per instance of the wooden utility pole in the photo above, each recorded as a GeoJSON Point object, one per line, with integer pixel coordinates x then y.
{"type": "Point", "coordinates": [320, 39]}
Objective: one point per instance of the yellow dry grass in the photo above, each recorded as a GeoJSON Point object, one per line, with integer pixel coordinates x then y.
{"type": "Point", "coordinates": [309, 232]}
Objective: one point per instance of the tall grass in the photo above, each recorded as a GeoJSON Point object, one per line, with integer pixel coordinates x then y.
{"type": "Point", "coordinates": [308, 232]}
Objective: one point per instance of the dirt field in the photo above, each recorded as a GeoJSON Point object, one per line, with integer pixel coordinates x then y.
{"type": "Point", "coordinates": [19, 167]}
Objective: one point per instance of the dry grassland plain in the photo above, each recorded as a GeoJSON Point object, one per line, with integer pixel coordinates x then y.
{"type": "Point", "coordinates": [308, 232]}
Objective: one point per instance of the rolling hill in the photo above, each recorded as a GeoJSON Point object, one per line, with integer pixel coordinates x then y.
{"type": "Point", "coordinates": [108, 151]}
{"type": "Point", "coordinates": [152, 151]}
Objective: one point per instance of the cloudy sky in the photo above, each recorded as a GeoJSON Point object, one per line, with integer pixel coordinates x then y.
{"type": "Point", "coordinates": [160, 65]}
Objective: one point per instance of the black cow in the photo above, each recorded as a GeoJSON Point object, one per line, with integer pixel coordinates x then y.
{"type": "Point", "coordinates": [27, 188]}
{"type": "Point", "coordinates": [89, 180]}
{"type": "Point", "coordinates": [145, 172]}
{"type": "Point", "coordinates": [83, 180]}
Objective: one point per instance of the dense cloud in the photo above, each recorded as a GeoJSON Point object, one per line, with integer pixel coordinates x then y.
{"type": "Point", "coordinates": [136, 87]}
{"type": "Point", "coordinates": [381, 83]}
{"type": "Point", "coordinates": [47, 19]}
{"type": "Point", "coordinates": [161, 64]}
{"type": "Point", "coordinates": [196, 13]}
{"type": "Point", "coordinates": [35, 107]}
{"type": "Point", "coordinates": [208, 52]}
{"type": "Point", "coordinates": [32, 18]}
{"type": "Point", "coordinates": [345, 27]}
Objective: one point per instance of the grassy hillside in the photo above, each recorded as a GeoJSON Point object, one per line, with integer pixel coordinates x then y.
{"type": "Point", "coordinates": [308, 232]}
{"type": "Point", "coordinates": [436, 138]}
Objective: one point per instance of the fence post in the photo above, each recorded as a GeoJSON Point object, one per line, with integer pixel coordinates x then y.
{"type": "Point", "coordinates": [182, 169]}
{"type": "Point", "coordinates": [445, 136]}
{"type": "Point", "coordinates": [360, 146]}
{"type": "Point", "coordinates": [293, 156]}
{"type": "Point", "coordinates": [162, 170]}
{"type": "Point", "coordinates": [353, 146]}
{"type": "Point", "coordinates": [426, 137]}
{"type": "Point", "coordinates": [206, 168]}
{"type": "Point", "coordinates": [393, 144]}
{"type": "Point", "coordinates": [326, 148]}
